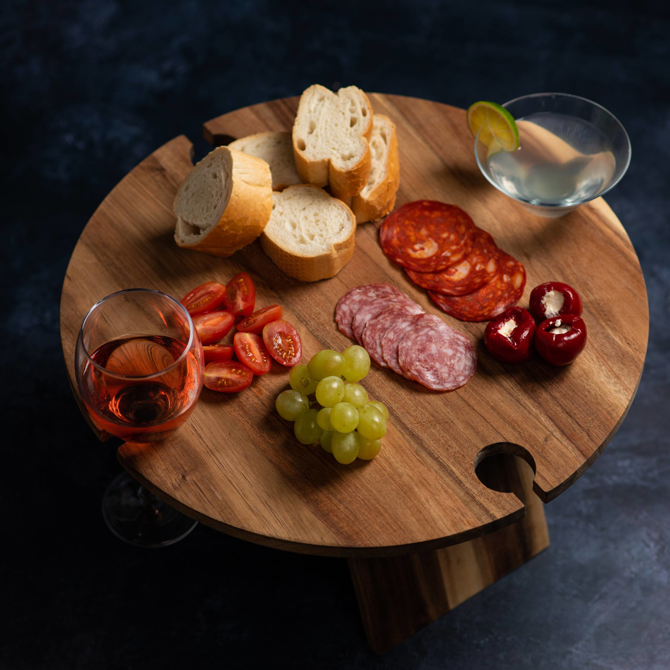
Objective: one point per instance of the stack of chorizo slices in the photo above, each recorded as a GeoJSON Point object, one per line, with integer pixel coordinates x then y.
{"type": "Point", "coordinates": [441, 249]}
{"type": "Point", "coordinates": [399, 335]}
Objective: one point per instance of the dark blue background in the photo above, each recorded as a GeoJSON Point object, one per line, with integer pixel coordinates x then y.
{"type": "Point", "coordinates": [88, 89]}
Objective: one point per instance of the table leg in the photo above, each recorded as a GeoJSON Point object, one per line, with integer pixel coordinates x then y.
{"type": "Point", "coordinates": [399, 595]}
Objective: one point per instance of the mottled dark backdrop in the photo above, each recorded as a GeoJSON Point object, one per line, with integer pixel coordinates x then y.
{"type": "Point", "coordinates": [88, 89]}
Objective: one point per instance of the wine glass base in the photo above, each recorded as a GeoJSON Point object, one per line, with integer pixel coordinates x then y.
{"type": "Point", "coordinates": [138, 517]}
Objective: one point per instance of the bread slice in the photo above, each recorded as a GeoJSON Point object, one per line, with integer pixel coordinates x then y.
{"type": "Point", "coordinates": [276, 149]}
{"type": "Point", "coordinates": [224, 203]}
{"type": "Point", "coordinates": [330, 139]}
{"type": "Point", "coordinates": [377, 199]}
{"type": "Point", "coordinates": [311, 235]}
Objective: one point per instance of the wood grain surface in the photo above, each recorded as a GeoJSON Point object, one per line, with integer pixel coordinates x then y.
{"type": "Point", "coordinates": [236, 466]}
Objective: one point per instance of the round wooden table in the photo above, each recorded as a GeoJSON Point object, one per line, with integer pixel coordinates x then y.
{"type": "Point", "coordinates": [454, 500]}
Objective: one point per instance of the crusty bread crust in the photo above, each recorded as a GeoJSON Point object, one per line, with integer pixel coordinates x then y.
{"type": "Point", "coordinates": [343, 183]}
{"type": "Point", "coordinates": [248, 210]}
{"type": "Point", "coordinates": [382, 198]}
{"type": "Point", "coordinates": [313, 268]}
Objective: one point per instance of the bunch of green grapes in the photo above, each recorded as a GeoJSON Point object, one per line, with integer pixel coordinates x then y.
{"type": "Point", "coordinates": [340, 417]}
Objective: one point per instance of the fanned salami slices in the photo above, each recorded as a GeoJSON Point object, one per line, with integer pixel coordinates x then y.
{"type": "Point", "coordinates": [376, 328]}
{"type": "Point", "coordinates": [436, 355]}
{"type": "Point", "coordinates": [492, 299]}
{"type": "Point", "coordinates": [398, 334]}
{"type": "Point", "coordinates": [349, 304]}
{"type": "Point", "coordinates": [427, 236]}
{"type": "Point", "coordinates": [471, 273]}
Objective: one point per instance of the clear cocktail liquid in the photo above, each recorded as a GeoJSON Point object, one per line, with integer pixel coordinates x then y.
{"type": "Point", "coordinates": [562, 160]}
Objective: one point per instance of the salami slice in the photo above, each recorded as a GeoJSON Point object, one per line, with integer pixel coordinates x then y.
{"type": "Point", "coordinates": [427, 236]}
{"type": "Point", "coordinates": [492, 299]}
{"type": "Point", "coordinates": [392, 338]}
{"type": "Point", "coordinates": [472, 272]}
{"type": "Point", "coordinates": [376, 328]}
{"type": "Point", "coordinates": [436, 355]}
{"type": "Point", "coordinates": [349, 304]}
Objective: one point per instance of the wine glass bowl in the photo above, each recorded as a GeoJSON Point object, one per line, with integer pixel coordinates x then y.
{"type": "Point", "coordinates": [571, 150]}
{"type": "Point", "coordinates": [139, 364]}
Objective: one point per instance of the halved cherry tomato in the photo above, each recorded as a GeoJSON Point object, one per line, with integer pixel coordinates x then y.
{"type": "Point", "coordinates": [218, 352]}
{"type": "Point", "coordinates": [283, 342]}
{"type": "Point", "coordinates": [204, 298]}
{"type": "Point", "coordinates": [227, 376]}
{"type": "Point", "coordinates": [250, 349]}
{"type": "Point", "coordinates": [213, 326]}
{"type": "Point", "coordinates": [240, 295]}
{"type": "Point", "coordinates": [259, 319]}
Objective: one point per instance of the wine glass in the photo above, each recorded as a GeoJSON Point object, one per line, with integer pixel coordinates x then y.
{"type": "Point", "coordinates": [139, 369]}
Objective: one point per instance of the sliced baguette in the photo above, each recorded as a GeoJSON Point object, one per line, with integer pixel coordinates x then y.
{"type": "Point", "coordinates": [311, 235]}
{"type": "Point", "coordinates": [330, 139]}
{"type": "Point", "coordinates": [377, 199]}
{"type": "Point", "coordinates": [224, 203]}
{"type": "Point", "coordinates": [276, 149]}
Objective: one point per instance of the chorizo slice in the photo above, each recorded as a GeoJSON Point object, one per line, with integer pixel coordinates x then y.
{"type": "Point", "coordinates": [490, 300]}
{"type": "Point", "coordinates": [427, 236]}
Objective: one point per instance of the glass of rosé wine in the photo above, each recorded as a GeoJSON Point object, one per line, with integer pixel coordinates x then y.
{"type": "Point", "coordinates": [139, 368]}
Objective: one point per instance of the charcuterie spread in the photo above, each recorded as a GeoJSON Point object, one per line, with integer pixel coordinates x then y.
{"type": "Point", "coordinates": [398, 334]}
{"type": "Point", "coordinates": [252, 189]}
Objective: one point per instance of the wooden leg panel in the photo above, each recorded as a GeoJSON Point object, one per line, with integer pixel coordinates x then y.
{"type": "Point", "coordinates": [398, 595]}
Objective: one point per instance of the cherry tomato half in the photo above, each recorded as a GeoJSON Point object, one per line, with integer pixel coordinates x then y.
{"type": "Point", "coordinates": [204, 298]}
{"type": "Point", "coordinates": [218, 353]}
{"type": "Point", "coordinates": [283, 342]}
{"type": "Point", "coordinates": [240, 295]}
{"type": "Point", "coordinates": [227, 376]}
{"type": "Point", "coordinates": [250, 349]}
{"type": "Point", "coordinates": [259, 319]}
{"type": "Point", "coordinates": [213, 326]}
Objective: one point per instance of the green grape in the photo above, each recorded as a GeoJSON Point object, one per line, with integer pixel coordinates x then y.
{"type": "Point", "coordinates": [326, 363]}
{"type": "Point", "coordinates": [301, 381]}
{"type": "Point", "coordinates": [357, 363]}
{"type": "Point", "coordinates": [291, 404]}
{"type": "Point", "coordinates": [355, 394]}
{"type": "Point", "coordinates": [329, 391]}
{"type": "Point", "coordinates": [326, 439]}
{"type": "Point", "coordinates": [344, 417]}
{"type": "Point", "coordinates": [372, 423]}
{"type": "Point", "coordinates": [306, 429]}
{"type": "Point", "coordinates": [381, 407]}
{"type": "Point", "coordinates": [323, 418]}
{"type": "Point", "coordinates": [368, 449]}
{"type": "Point", "coordinates": [345, 447]}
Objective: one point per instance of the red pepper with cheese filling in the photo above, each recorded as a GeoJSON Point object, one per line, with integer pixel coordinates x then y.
{"type": "Point", "coordinates": [553, 299]}
{"type": "Point", "coordinates": [561, 339]}
{"type": "Point", "coordinates": [509, 337]}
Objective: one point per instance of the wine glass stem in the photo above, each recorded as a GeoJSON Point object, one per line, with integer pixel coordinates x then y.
{"type": "Point", "coordinates": [149, 500]}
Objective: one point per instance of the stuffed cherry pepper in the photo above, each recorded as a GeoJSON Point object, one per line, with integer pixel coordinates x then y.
{"type": "Point", "coordinates": [509, 337]}
{"type": "Point", "coordinates": [553, 299]}
{"type": "Point", "coordinates": [561, 339]}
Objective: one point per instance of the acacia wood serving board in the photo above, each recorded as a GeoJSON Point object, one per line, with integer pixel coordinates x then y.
{"type": "Point", "coordinates": [236, 466]}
